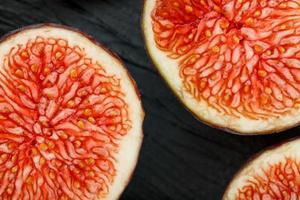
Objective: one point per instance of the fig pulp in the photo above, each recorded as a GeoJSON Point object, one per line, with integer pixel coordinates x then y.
{"type": "Point", "coordinates": [71, 119]}
{"type": "Point", "coordinates": [274, 174]}
{"type": "Point", "coordinates": [234, 63]}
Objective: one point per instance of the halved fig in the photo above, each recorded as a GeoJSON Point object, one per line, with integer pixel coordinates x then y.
{"type": "Point", "coordinates": [273, 174]}
{"type": "Point", "coordinates": [235, 64]}
{"type": "Point", "coordinates": [70, 117]}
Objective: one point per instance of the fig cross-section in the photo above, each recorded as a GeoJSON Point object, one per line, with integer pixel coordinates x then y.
{"type": "Point", "coordinates": [63, 118]}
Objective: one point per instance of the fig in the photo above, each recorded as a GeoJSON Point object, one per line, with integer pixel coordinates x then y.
{"type": "Point", "coordinates": [272, 174]}
{"type": "Point", "coordinates": [70, 117]}
{"type": "Point", "coordinates": [234, 64]}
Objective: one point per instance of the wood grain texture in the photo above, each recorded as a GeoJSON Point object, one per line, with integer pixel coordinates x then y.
{"type": "Point", "coordinates": [181, 158]}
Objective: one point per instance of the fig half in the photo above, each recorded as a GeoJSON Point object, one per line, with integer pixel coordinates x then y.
{"type": "Point", "coordinates": [273, 174]}
{"type": "Point", "coordinates": [70, 117]}
{"type": "Point", "coordinates": [234, 64]}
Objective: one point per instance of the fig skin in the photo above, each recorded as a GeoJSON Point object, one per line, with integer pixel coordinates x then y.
{"type": "Point", "coordinates": [266, 157]}
{"type": "Point", "coordinates": [179, 94]}
{"type": "Point", "coordinates": [11, 34]}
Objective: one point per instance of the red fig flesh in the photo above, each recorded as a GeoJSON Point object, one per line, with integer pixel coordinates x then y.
{"type": "Point", "coordinates": [71, 118]}
{"type": "Point", "coordinates": [234, 64]}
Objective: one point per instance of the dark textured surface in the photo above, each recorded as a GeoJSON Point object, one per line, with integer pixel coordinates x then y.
{"type": "Point", "coordinates": [181, 158]}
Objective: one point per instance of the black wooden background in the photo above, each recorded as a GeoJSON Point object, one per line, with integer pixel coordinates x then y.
{"type": "Point", "coordinates": [181, 158]}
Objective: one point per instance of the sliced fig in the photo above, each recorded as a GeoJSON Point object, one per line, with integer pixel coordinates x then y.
{"type": "Point", "coordinates": [235, 64]}
{"type": "Point", "coordinates": [71, 117]}
{"type": "Point", "coordinates": [273, 174]}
